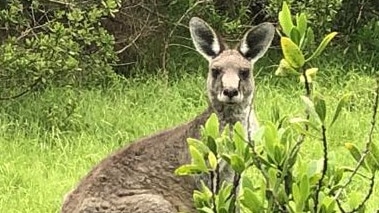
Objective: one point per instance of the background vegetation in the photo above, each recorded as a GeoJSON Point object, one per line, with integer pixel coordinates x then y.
{"type": "Point", "coordinates": [80, 79]}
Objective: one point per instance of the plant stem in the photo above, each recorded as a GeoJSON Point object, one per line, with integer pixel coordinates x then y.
{"type": "Point", "coordinates": [212, 178]}
{"type": "Point", "coordinates": [324, 167]}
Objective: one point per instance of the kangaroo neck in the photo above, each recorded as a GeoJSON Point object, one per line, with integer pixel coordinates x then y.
{"type": "Point", "coordinates": [231, 114]}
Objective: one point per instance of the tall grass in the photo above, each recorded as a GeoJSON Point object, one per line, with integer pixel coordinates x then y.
{"type": "Point", "coordinates": [49, 140]}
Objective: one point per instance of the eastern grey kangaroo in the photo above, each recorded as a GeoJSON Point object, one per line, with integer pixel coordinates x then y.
{"type": "Point", "coordinates": [140, 178]}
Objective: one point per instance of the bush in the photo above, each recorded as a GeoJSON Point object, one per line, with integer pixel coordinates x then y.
{"type": "Point", "coordinates": [54, 43]}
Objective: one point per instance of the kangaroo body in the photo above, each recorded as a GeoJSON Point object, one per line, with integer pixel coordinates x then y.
{"type": "Point", "coordinates": [140, 178]}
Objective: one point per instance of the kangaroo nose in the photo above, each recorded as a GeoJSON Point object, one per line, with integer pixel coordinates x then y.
{"type": "Point", "coordinates": [230, 92]}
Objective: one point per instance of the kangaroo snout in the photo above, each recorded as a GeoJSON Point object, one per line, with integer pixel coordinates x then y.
{"type": "Point", "coordinates": [230, 95]}
{"type": "Point", "coordinates": [230, 92]}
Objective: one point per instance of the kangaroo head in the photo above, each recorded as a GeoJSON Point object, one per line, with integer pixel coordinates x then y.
{"type": "Point", "coordinates": [230, 83]}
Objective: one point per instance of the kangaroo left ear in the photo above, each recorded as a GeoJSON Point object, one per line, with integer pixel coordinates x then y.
{"type": "Point", "coordinates": [256, 41]}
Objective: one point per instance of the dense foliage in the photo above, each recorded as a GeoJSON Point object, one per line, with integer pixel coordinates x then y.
{"type": "Point", "coordinates": [55, 44]}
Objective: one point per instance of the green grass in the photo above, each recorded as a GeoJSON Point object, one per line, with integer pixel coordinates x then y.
{"type": "Point", "coordinates": [45, 148]}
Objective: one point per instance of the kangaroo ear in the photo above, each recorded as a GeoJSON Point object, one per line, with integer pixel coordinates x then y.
{"type": "Point", "coordinates": [205, 39]}
{"type": "Point", "coordinates": [256, 41]}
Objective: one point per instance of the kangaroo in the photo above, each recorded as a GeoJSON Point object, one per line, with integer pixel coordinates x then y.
{"type": "Point", "coordinates": [140, 178]}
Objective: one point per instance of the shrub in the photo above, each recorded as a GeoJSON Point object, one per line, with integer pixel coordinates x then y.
{"type": "Point", "coordinates": [55, 43]}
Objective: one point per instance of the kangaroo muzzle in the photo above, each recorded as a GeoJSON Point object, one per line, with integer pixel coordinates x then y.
{"type": "Point", "coordinates": [230, 92]}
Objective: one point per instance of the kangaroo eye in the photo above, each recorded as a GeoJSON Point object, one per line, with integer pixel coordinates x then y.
{"type": "Point", "coordinates": [215, 72]}
{"type": "Point", "coordinates": [244, 74]}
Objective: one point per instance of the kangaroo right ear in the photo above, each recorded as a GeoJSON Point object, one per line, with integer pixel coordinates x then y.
{"type": "Point", "coordinates": [205, 39]}
{"type": "Point", "coordinates": [256, 41]}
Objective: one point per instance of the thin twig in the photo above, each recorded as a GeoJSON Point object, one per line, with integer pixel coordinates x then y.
{"type": "Point", "coordinates": [123, 64]}
{"type": "Point", "coordinates": [218, 178]}
{"type": "Point", "coordinates": [31, 30]}
{"type": "Point", "coordinates": [30, 88]}
{"type": "Point", "coordinates": [135, 38]}
{"type": "Point", "coordinates": [178, 22]}
{"type": "Point", "coordinates": [61, 3]}
{"type": "Point", "coordinates": [212, 177]}
{"type": "Point", "coordinates": [236, 181]}
{"type": "Point", "coordinates": [368, 143]}
{"type": "Point", "coordinates": [308, 92]}
{"type": "Point", "coordinates": [371, 189]}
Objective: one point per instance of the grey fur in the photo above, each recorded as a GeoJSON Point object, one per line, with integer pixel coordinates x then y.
{"type": "Point", "coordinates": [139, 178]}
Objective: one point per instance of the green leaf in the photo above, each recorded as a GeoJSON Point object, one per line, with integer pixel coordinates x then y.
{"type": "Point", "coordinates": [198, 159]}
{"type": "Point", "coordinates": [311, 108]}
{"type": "Point", "coordinates": [320, 107]}
{"type": "Point", "coordinates": [222, 203]}
{"type": "Point", "coordinates": [374, 150]}
{"type": "Point", "coordinates": [198, 144]}
{"type": "Point", "coordinates": [206, 210]}
{"type": "Point", "coordinates": [247, 182]}
{"type": "Point", "coordinates": [304, 188]}
{"type": "Point", "coordinates": [295, 36]}
{"type": "Point", "coordinates": [304, 121]}
{"type": "Point", "coordinates": [296, 194]}
{"type": "Point", "coordinates": [211, 144]}
{"type": "Point", "coordinates": [203, 197]}
{"type": "Point", "coordinates": [310, 73]}
{"type": "Point", "coordinates": [272, 176]}
{"type": "Point", "coordinates": [372, 163]}
{"type": "Point", "coordinates": [315, 167]}
{"type": "Point", "coordinates": [270, 139]}
{"type": "Point", "coordinates": [212, 161]}
{"type": "Point", "coordinates": [285, 69]}
{"type": "Point", "coordinates": [308, 102]}
{"type": "Point", "coordinates": [285, 20]}
{"type": "Point", "coordinates": [335, 188]}
{"type": "Point", "coordinates": [225, 190]}
{"type": "Point", "coordinates": [322, 45]}
{"type": "Point", "coordinates": [212, 126]}
{"type": "Point", "coordinates": [341, 103]}
{"type": "Point", "coordinates": [239, 138]}
{"type": "Point", "coordinates": [250, 201]}
{"type": "Point", "coordinates": [328, 204]}
{"type": "Point", "coordinates": [338, 174]}
{"type": "Point", "coordinates": [354, 199]}
{"type": "Point", "coordinates": [301, 22]}
{"type": "Point", "coordinates": [226, 158]}
{"type": "Point", "coordinates": [310, 37]}
{"type": "Point", "coordinates": [292, 206]}
{"type": "Point", "coordinates": [354, 151]}
{"type": "Point", "coordinates": [188, 169]}
{"type": "Point", "coordinates": [292, 53]}
{"type": "Point", "coordinates": [237, 163]}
